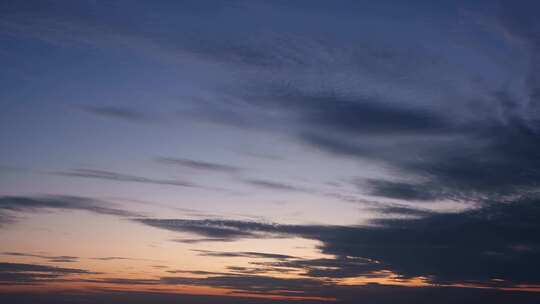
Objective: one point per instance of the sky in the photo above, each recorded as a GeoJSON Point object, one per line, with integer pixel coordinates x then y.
{"type": "Point", "coordinates": [269, 151]}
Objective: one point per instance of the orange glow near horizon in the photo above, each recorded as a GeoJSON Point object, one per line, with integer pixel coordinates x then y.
{"type": "Point", "coordinates": [166, 258]}
{"type": "Point", "coordinates": [77, 283]}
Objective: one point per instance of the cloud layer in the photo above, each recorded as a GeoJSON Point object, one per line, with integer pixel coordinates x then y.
{"type": "Point", "coordinates": [496, 245]}
{"type": "Point", "coordinates": [11, 205]}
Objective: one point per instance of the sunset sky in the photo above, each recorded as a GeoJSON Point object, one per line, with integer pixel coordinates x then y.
{"type": "Point", "coordinates": [269, 151]}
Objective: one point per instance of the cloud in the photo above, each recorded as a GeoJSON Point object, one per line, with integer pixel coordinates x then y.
{"type": "Point", "coordinates": [519, 22]}
{"type": "Point", "coordinates": [477, 245]}
{"type": "Point", "coordinates": [416, 110]}
{"type": "Point", "coordinates": [12, 273]}
{"type": "Point", "coordinates": [252, 270]}
{"type": "Point", "coordinates": [115, 176]}
{"type": "Point", "coordinates": [442, 157]}
{"type": "Point", "coordinates": [244, 254]}
{"type": "Point", "coordinates": [110, 258]}
{"type": "Point", "coordinates": [274, 186]}
{"type": "Point", "coordinates": [253, 284]}
{"type": "Point", "coordinates": [196, 272]}
{"type": "Point", "coordinates": [212, 229]}
{"type": "Point", "coordinates": [446, 157]}
{"type": "Point", "coordinates": [10, 205]}
{"type": "Point", "coordinates": [117, 258]}
{"type": "Point", "coordinates": [122, 281]}
{"type": "Point", "coordinates": [404, 191]}
{"type": "Point", "coordinates": [17, 273]}
{"type": "Point", "coordinates": [52, 259]}
{"type": "Point", "coordinates": [200, 165]}
{"type": "Point", "coordinates": [338, 267]}
{"type": "Point", "coordinates": [202, 240]}
{"type": "Point", "coordinates": [445, 121]}
{"type": "Point", "coordinates": [355, 115]}
{"type": "Point", "coordinates": [390, 104]}
{"type": "Point", "coordinates": [116, 112]}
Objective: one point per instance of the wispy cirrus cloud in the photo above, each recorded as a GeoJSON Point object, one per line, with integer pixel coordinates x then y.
{"type": "Point", "coordinates": [273, 185]}
{"type": "Point", "coordinates": [121, 177]}
{"type": "Point", "coordinates": [11, 205]}
{"type": "Point", "coordinates": [200, 165]}
{"type": "Point", "coordinates": [49, 258]}
{"type": "Point", "coordinates": [220, 229]}
{"type": "Point", "coordinates": [202, 240]}
{"type": "Point", "coordinates": [18, 273]}
{"type": "Point", "coordinates": [244, 254]}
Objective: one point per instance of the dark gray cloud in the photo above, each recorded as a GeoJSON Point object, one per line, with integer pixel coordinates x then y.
{"type": "Point", "coordinates": [339, 267]}
{"type": "Point", "coordinates": [253, 284]}
{"type": "Point", "coordinates": [255, 270]}
{"type": "Point", "coordinates": [18, 267]}
{"type": "Point", "coordinates": [481, 142]}
{"type": "Point", "coordinates": [456, 158]}
{"type": "Point", "coordinates": [390, 211]}
{"type": "Point", "coordinates": [160, 266]}
{"type": "Point", "coordinates": [115, 176]}
{"type": "Point", "coordinates": [220, 229]}
{"type": "Point", "coordinates": [317, 84]}
{"type": "Point", "coordinates": [11, 205]}
{"type": "Point", "coordinates": [200, 165]}
{"type": "Point", "coordinates": [355, 115]}
{"type": "Point", "coordinates": [271, 185]}
{"type": "Point", "coordinates": [404, 191]}
{"type": "Point", "coordinates": [17, 273]}
{"type": "Point", "coordinates": [202, 240]}
{"type": "Point", "coordinates": [498, 241]}
{"type": "Point", "coordinates": [258, 284]}
{"type": "Point", "coordinates": [443, 157]}
{"type": "Point", "coordinates": [244, 254]}
{"type": "Point", "coordinates": [117, 258]}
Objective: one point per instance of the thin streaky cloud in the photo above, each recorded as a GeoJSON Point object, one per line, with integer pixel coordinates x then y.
{"type": "Point", "coordinates": [121, 177]}
{"type": "Point", "coordinates": [49, 258]}
{"type": "Point", "coordinates": [117, 112]}
{"type": "Point", "coordinates": [200, 165]}
{"type": "Point", "coordinates": [10, 206]}
{"type": "Point", "coordinates": [244, 254]}
{"type": "Point", "coordinates": [275, 186]}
